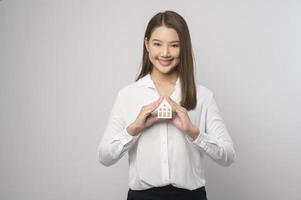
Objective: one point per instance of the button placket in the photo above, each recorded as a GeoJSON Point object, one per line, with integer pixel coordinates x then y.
{"type": "Point", "coordinates": [164, 155]}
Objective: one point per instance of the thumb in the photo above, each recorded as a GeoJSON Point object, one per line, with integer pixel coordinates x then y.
{"type": "Point", "coordinates": [151, 120]}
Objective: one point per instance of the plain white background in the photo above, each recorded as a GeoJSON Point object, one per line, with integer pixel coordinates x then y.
{"type": "Point", "coordinates": [62, 63]}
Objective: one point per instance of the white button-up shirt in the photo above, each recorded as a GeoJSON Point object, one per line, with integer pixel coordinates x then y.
{"type": "Point", "coordinates": [162, 154]}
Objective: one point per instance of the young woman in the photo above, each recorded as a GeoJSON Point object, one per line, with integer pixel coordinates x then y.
{"type": "Point", "coordinates": [166, 155]}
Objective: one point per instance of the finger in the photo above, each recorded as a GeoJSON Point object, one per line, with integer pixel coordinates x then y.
{"type": "Point", "coordinates": [152, 106]}
{"type": "Point", "coordinates": [152, 119]}
{"type": "Point", "coordinates": [158, 101]}
{"type": "Point", "coordinates": [179, 107]}
{"type": "Point", "coordinates": [174, 105]}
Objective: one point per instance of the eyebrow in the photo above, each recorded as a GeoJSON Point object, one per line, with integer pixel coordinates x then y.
{"type": "Point", "coordinates": [161, 41]}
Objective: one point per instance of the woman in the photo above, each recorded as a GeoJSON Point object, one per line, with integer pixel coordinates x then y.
{"type": "Point", "coordinates": [166, 155]}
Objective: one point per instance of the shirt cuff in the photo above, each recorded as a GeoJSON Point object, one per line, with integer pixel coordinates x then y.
{"type": "Point", "coordinates": [126, 137]}
{"type": "Point", "coordinates": [200, 141]}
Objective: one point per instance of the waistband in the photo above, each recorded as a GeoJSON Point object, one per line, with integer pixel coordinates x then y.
{"type": "Point", "coordinates": [169, 188]}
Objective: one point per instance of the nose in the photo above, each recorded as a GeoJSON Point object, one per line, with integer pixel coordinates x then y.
{"type": "Point", "coordinates": [165, 51]}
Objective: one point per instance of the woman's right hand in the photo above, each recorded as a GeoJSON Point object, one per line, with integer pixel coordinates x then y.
{"type": "Point", "coordinates": [145, 118]}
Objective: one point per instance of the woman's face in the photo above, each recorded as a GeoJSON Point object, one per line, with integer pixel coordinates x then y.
{"type": "Point", "coordinates": [164, 49]}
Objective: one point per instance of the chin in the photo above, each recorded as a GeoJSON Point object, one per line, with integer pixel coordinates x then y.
{"type": "Point", "coordinates": [166, 70]}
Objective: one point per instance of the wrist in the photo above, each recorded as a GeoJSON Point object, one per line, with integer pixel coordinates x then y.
{"type": "Point", "coordinates": [132, 129]}
{"type": "Point", "coordinates": [194, 132]}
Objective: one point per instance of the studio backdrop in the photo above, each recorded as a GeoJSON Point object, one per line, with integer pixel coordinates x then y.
{"type": "Point", "coordinates": [62, 63]}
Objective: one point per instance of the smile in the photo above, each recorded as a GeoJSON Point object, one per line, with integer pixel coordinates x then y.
{"type": "Point", "coordinates": [165, 62]}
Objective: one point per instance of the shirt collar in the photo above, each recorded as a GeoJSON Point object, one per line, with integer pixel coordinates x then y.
{"type": "Point", "coordinates": [146, 81]}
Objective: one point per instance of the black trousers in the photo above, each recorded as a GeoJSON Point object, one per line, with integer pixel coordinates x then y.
{"type": "Point", "coordinates": [168, 192]}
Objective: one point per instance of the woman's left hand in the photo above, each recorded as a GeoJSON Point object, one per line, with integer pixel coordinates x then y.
{"type": "Point", "coordinates": [182, 120]}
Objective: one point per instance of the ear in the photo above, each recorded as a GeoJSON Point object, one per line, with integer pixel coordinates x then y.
{"type": "Point", "coordinates": [146, 43]}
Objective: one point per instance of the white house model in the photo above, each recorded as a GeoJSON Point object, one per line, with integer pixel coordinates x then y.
{"type": "Point", "coordinates": [164, 110]}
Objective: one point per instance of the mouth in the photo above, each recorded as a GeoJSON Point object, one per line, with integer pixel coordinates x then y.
{"type": "Point", "coordinates": [165, 62]}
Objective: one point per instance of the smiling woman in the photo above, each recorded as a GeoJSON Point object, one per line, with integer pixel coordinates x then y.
{"type": "Point", "coordinates": [166, 154]}
{"type": "Point", "coordinates": [167, 53]}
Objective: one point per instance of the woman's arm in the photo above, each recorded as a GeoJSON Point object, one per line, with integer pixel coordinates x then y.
{"type": "Point", "coordinates": [116, 139]}
{"type": "Point", "coordinates": [215, 140]}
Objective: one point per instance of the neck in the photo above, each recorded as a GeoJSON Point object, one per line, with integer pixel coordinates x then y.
{"type": "Point", "coordinates": [164, 78]}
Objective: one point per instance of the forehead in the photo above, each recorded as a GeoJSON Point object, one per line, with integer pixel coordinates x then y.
{"type": "Point", "coordinates": [164, 34]}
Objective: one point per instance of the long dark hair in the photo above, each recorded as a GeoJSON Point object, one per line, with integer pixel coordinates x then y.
{"type": "Point", "coordinates": [185, 68]}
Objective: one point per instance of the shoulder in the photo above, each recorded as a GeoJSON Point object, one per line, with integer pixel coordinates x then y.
{"type": "Point", "coordinates": [128, 90]}
{"type": "Point", "coordinates": [203, 91]}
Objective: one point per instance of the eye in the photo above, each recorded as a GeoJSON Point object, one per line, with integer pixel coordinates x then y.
{"type": "Point", "coordinates": [156, 44]}
{"type": "Point", "coordinates": [175, 45]}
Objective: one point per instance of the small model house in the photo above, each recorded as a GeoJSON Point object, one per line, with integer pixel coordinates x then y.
{"type": "Point", "coordinates": [164, 110]}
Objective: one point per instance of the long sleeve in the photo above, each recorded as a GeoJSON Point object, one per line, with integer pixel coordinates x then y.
{"type": "Point", "coordinates": [116, 140]}
{"type": "Point", "coordinates": [215, 139]}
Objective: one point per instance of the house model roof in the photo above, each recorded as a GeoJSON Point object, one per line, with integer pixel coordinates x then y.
{"type": "Point", "coordinates": [164, 110]}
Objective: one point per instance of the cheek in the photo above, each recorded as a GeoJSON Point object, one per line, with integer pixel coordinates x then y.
{"type": "Point", "coordinates": [152, 55]}
{"type": "Point", "coordinates": [176, 53]}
